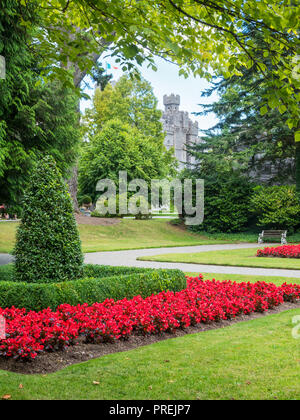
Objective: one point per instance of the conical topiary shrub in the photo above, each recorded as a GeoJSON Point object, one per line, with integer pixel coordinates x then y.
{"type": "Point", "coordinates": [48, 247]}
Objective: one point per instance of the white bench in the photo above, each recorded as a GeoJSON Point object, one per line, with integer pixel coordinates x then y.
{"type": "Point", "coordinates": [273, 234]}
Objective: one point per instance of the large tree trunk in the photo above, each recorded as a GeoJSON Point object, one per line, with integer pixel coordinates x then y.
{"type": "Point", "coordinates": [73, 187]}
{"type": "Point", "coordinates": [73, 181]}
{"type": "Point", "coordinates": [78, 77]}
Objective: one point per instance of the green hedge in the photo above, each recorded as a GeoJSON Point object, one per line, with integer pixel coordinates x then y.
{"type": "Point", "coordinates": [90, 290]}
{"type": "Point", "coordinates": [89, 270]}
{"type": "Point", "coordinates": [7, 272]}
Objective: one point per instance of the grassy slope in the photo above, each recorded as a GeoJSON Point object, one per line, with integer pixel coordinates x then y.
{"type": "Point", "coordinates": [236, 257]}
{"type": "Point", "coordinates": [128, 234]}
{"type": "Point", "coordinates": [257, 359]}
{"type": "Point", "coordinates": [133, 234]}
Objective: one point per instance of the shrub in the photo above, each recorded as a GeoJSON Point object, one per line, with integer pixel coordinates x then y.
{"type": "Point", "coordinates": [114, 283]}
{"type": "Point", "coordinates": [226, 203]}
{"type": "Point", "coordinates": [86, 199]}
{"type": "Point", "coordinates": [276, 207]}
{"type": "Point", "coordinates": [7, 272]}
{"type": "Point", "coordinates": [48, 247]}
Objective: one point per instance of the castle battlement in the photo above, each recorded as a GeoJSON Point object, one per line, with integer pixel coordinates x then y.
{"type": "Point", "coordinates": [171, 100]}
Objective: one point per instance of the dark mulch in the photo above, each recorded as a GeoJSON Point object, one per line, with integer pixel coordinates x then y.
{"type": "Point", "coordinates": [52, 362]}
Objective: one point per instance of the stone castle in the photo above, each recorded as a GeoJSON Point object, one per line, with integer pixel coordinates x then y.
{"type": "Point", "coordinates": [180, 130]}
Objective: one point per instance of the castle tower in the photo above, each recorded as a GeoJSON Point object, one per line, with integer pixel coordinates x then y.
{"type": "Point", "coordinates": [179, 128]}
{"type": "Point", "coordinates": [171, 102]}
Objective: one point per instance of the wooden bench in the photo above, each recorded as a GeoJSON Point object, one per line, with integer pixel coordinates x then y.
{"type": "Point", "coordinates": [273, 234]}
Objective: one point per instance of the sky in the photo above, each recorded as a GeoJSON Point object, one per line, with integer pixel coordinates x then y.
{"type": "Point", "coordinates": [166, 81]}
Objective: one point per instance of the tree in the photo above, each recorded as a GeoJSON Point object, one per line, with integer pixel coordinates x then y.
{"type": "Point", "coordinates": [14, 88]}
{"type": "Point", "coordinates": [37, 118]}
{"type": "Point", "coordinates": [200, 36]}
{"type": "Point", "coordinates": [276, 207]}
{"type": "Point", "coordinates": [197, 34]}
{"type": "Point", "coordinates": [132, 102]}
{"type": "Point", "coordinates": [48, 247]}
{"type": "Point", "coordinates": [46, 124]}
{"type": "Point", "coordinates": [100, 76]}
{"type": "Point", "coordinates": [122, 147]}
{"type": "Point", "coordinates": [243, 139]}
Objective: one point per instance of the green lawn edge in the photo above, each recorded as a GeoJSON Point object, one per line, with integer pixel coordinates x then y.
{"type": "Point", "coordinates": [229, 258]}
{"type": "Point", "coordinates": [255, 359]}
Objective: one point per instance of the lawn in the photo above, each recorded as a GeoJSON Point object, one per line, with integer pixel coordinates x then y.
{"type": "Point", "coordinates": [137, 234]}
{"type": "Point", "coordinates": [237, 257]}
{"type": "Point", "coordinates": [128, 234]}
{"type": "Point", "coordinates": [257, 359]}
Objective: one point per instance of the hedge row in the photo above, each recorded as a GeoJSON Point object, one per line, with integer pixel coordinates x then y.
{"type": "Point", "coordinates": [90, 290]}
{"type": "Point", "coordinates": [89, 270]}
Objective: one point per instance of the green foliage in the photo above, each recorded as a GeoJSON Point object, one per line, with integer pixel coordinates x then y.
{"type": "Point", "coordinates": [35, 118]}
{"type": "Point", "coordinates": [276, 207]}
{"type": "Point", "coordinates": [132, 102]}
{"type": "Point", "coordinates": [298, 169]}
{"type": "Point", "coordinates": [86, 199]}
{"type": "Point", "coordinates": [101, 283]}
{"type": "Point", "coordinates": [226, 204]}
{"type": "Point", "coordinates": [125, 134]}
{"type": "Point", "coordinates": [243, 139]}
{"type": "Point", "coordinates": [200, 39]}
{"type": "Point", "coordinates": [226, 200]}
{"type": "Point", "coordinates": [15, 117]}
{"type": "Point", "coordinates": [7, 272]}
{"type": "Point", "coordinates": [100, 76]}
{"type": "Point", "coordinates": [121, 147]}
{"type": "Point", "coordinates": [48, 247]}
{"type": "Point", "coordinates": [50, 125]}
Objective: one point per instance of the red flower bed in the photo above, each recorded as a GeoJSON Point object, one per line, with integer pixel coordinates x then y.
{"type": "Point", "coordinates": [28, 334]}
{"type": "Point", "coordinates": [286, 251]}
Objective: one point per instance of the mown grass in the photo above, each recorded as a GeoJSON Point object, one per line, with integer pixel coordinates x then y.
{"type": "Point", "coordinates": [257, 359]}
{"type": "Point", "coordinates": [237, 258]}
{"type": "Point", "coordinates": [128, 234]}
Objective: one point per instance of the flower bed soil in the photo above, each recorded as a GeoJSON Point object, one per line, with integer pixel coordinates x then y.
{"type": "Point", "coordinates": [53, 362]}
{"type": "Point", "coordinates": [34, 336]}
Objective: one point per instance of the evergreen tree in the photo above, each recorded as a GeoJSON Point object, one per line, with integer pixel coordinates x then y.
{"type": "Point", "coordinates": [48, 247]}
{"type": "Point", "coordinates": [35, 117]}
{"type": "Point", "coordinates": [244, 140]}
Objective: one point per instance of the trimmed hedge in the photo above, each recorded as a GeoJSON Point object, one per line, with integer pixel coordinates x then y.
{"type": "Point", "coordinates": [123, 282]}
{"type": "Point", "coordinates": [7, 272]}
{"type": "Point", "coordinates": [48, 246]}
{"type": "Point", "coordinates": [89, 270]}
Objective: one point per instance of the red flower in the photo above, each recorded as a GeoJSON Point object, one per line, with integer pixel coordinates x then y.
{"type": "Point", "coordinates": [29, 333]}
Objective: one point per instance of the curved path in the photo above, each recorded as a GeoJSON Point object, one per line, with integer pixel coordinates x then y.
{"type": "Point", "coordinates": [129, 258]}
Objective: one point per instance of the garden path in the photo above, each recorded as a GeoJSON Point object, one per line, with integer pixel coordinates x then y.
{"type": "Point", "coordinates": [129, 258]}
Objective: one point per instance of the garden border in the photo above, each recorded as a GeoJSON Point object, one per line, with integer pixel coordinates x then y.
{"type": "Point", "coordinates": [115, 283]}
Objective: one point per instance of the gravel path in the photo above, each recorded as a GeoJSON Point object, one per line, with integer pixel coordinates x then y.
{"type": "Point", "coordinates": [5, 259]}
{"type": "Point", "coordinates": [129, 258]}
